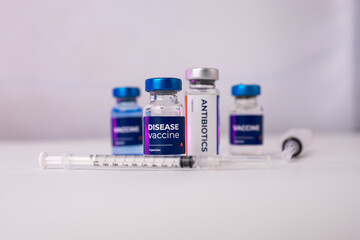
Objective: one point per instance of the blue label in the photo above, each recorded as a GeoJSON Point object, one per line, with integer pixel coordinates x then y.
{"type": "Point", "coordinates": [164, 135]}
{"type": "Point", "coordinates": [246, 129]}
{"type": "Point", "coordinates": [127, 131]}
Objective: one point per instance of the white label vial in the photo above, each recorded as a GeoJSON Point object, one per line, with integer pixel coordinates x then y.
{"type": "Point", "coordinates": [164, 120]}
{"type": "Point", "coordinates": [246, 121]}
{"type": "Point", "coordinates": [202, 112]}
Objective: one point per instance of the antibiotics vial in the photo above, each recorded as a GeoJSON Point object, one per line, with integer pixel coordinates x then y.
{"type": "Point", "coordinates": [126, 122]}
{"type": "Point", "coordinates": [202, 112]}
{"type": "Point", "coordinates": [164, 121]}
{"type": "Point", "coordinates": [246, 121]}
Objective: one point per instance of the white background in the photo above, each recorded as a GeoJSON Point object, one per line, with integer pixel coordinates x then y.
{"type": "Point", "coordinates": [60, 59]}
{"type": "Point", "coordinates": [315, 197]}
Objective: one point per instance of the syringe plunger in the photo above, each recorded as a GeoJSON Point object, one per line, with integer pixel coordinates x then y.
{"type": "Point", "coordinates": [294, 141]}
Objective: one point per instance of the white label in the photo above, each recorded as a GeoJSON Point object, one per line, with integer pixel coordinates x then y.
{"type": "Point", "coordinates": [202, 125]}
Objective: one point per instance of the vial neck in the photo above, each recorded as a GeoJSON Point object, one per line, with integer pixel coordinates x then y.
{"type": "Point", "coordinates": [202, 84]}
{"type": "Point", "coordinates": [246, 101]}
{"type": "Point", "coordinates": [163, 96]}
{"type": "Point", "coordinates": [126, 100]}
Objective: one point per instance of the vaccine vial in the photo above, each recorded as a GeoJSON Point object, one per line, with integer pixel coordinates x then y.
{"type": "Point", "coordinates": [126, 122]}
{"type": "Point", "coordinates": [202, 112]}
{"type": "Point", "coordinates": [246, 121]}
{"type": "Point", "coordinates": [164, 121]}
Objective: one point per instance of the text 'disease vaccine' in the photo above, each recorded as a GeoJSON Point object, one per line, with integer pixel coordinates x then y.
{"type": "Point", "coordinates": [164, 121]}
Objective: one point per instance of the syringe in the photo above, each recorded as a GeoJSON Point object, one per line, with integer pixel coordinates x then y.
{"type": "Point", "coordinates": [294, 142]}
{"type": "Point", "coordinates": [140, 162]}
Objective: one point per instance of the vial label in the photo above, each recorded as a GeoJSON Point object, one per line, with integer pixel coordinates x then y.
{"type": "Point", "coordinates": [127, 131]}
{"type": "Point", "coordinates": [164, 135]}
{"type": "Point", "coordinates": [246, 129]}
{"type": "Point", "coordinates": [202, 124]}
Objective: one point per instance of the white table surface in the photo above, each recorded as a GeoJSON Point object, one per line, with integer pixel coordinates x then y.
{"type": "Point", "coordinates": [316, 197]}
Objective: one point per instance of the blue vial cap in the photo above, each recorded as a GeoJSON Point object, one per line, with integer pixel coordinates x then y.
{"type": "Point", "coordinates": [126, 92]}
{"type": "Point", "coordinates": [163, 84]}
{"type": "Point", "coordinates": [245, 90]}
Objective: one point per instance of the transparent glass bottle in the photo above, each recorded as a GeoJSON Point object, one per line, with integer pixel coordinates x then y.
{"type": "Point", "coordinates": [164, 121]}
{"type": "Point", "coordinates": [126, 122]}
{"type": "Point", "coordinates": [246, 121]}
{"type": "Point", "coordinates": [202, 112]}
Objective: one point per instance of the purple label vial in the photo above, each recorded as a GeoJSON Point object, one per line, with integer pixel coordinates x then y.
{"type": "Point", "coordinates": [164, 135]}
{"type": "Point", "coordinates": [246, 121]}
{"type": "Point", "coordinates": [246, 129]}
{"type": "Point", "coordinates": [164, 121]}
{"type": "Point", "coordinates": [126, 122]}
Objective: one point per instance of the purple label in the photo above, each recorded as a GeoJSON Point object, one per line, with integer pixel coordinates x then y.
{"type": "Point", "coordinates": [164, 135]}
{"type": "Point", "coordinates": [127, 131]}
{"type": "Point", "coordinates": [246, 129]}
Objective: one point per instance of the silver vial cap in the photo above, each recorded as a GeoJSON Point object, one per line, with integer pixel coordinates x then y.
{"type": "Point", "coordinates": [202, 74]}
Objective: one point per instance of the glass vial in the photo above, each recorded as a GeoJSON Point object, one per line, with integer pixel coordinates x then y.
{"type": "Point", "coordinates": [246, 121]}
{"type": "Point", "coordinates": [126, 122]}
{"type": "Point", "coordinates": [202, 112]}
{"type": "Point", "coordinates": [164, 121]}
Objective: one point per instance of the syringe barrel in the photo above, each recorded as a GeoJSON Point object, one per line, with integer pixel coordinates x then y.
{"type": "Point", "coordinates": [67, 161]}
{"type": "Point", "coordinates": [142, 162]}
{"type": "Point", "coordinates": [136, 161]}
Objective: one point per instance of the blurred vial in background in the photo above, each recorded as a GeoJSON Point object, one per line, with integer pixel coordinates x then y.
{"type": "Point", "coordinates": [126, 119]}
{"type": "Point", "coordinates": [246, 121]}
